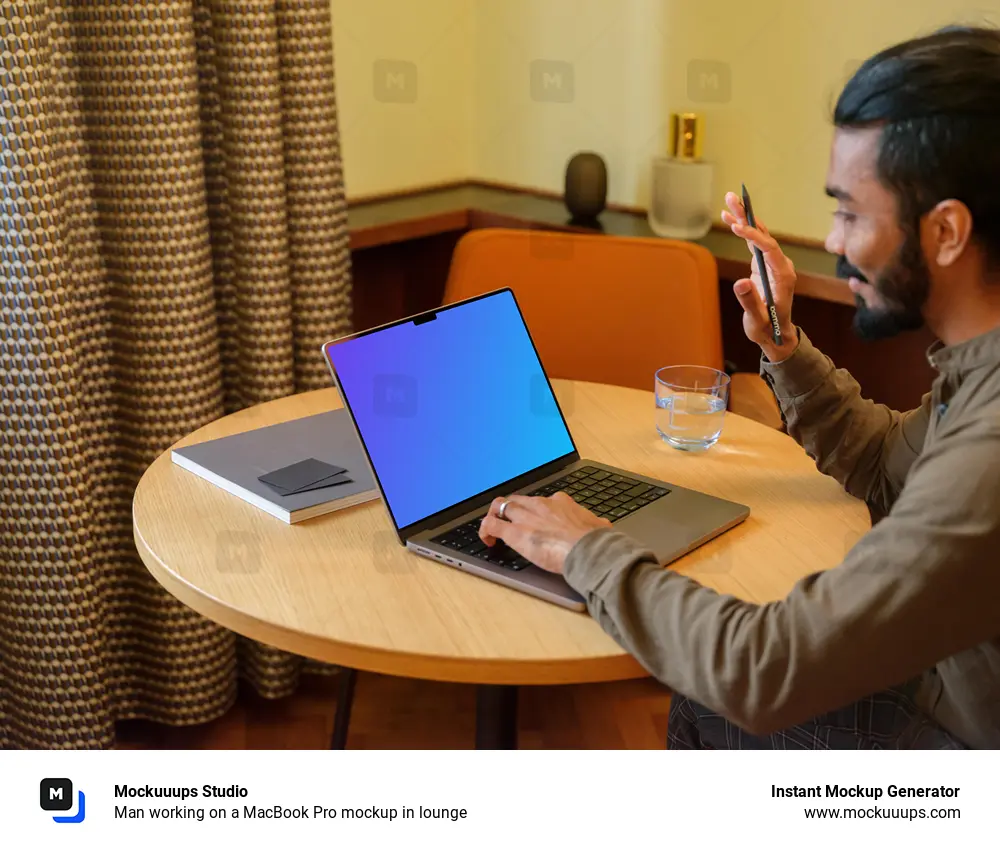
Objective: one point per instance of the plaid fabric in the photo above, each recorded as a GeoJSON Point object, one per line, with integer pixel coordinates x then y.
{"type": "Point", "coordinates": [884, 721]}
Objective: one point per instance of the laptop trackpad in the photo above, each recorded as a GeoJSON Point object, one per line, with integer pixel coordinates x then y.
{"type": "Point", "coordinates": [682, 520]}
{"type": "Point", "coordinates": [657, 531]}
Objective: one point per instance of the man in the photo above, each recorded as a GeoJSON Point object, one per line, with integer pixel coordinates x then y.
{"type": "Point", "coordinates": [899, 646]}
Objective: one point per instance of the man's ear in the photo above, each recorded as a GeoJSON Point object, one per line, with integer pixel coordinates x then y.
{"type": "Point", "coordinates": [948, 230]}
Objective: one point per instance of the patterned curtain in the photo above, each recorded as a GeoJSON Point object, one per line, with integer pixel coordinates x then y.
{"type": "Point", "coordinates": [174, 247]}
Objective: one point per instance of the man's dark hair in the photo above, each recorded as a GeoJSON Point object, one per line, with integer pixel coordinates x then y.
{"type": "Point", "coordinates": [938, 100]}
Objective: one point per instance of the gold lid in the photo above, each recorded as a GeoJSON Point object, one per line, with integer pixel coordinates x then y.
{"type": "Point", "coordinates": [686, 135]}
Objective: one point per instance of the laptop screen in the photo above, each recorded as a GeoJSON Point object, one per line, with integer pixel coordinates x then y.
{"type": "Point", "coordinates": [450, 407]}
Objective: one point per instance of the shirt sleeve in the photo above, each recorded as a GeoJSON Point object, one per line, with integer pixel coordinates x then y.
{"type": "Point", "coordinates": [918, 588]}
{"type": "Point", "coordinates": [867, 447]}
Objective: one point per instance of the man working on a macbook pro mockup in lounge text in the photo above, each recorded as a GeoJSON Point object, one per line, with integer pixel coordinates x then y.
{"type": "Point", "coordinates": [899, 646]}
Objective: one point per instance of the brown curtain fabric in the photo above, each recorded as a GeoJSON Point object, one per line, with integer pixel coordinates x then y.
{"type": "Point", "coordinates": [174, 248]}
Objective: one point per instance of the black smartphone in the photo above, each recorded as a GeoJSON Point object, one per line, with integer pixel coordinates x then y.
{"type": "Point", "coordinates": [772, 311]}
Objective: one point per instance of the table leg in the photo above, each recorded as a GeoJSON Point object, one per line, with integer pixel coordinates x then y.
{"type": "Point", "coordinates": [345, 698]}
{"type": "Point", "coordinates": [496, 717]}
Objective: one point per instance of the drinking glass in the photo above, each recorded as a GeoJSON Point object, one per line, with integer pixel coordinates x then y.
{"type": "Point", "coordinates": [691, 404]}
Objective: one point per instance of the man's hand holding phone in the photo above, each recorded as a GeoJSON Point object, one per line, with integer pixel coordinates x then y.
{"type": "Point", "coordinates": [750, 291]}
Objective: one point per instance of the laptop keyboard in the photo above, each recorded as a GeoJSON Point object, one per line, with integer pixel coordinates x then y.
{"type": "Point", "coordinates": [608, 495]}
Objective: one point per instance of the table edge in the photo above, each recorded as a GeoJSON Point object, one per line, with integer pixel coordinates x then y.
{"type": "Point", "coordinates": [485, 671]}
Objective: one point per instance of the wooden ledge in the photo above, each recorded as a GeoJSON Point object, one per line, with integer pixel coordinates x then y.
{"type": "Point", "coordinates": [417, 213]}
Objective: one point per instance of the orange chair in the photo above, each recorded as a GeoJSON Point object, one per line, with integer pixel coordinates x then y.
{"type": "Point", "coordinates": [608, 309]}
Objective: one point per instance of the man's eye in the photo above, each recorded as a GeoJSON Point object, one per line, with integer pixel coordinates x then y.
{"type": "Point", "coordinates": [844, 216]}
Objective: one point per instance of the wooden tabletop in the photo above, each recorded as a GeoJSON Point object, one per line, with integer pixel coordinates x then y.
{"type": "Point", "coordinates": [341, 589]}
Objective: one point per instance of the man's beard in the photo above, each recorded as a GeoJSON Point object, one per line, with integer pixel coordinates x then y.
{"type": "Point", "coordinates": [903, 288]}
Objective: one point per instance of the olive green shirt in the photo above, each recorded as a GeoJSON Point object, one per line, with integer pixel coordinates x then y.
{"type": "Point", "coordinates": [917, 597]}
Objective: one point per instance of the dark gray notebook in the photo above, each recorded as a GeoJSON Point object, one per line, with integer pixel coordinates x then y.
{"type": "Point", "coordinates": [237, 463]}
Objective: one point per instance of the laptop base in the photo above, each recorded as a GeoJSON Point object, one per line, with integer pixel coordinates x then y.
{"type": "Point", "coordinates": [670, 526]}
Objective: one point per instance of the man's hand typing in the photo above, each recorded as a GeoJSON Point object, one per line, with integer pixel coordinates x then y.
{"type": "Point", "coordinates": [542, 529]}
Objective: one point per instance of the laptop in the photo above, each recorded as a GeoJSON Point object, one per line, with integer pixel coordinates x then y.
{"type": "Point", "coordinates": [453, 408]}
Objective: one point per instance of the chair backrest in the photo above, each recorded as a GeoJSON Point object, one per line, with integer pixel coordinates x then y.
{"type": "Point", "coordinates": [600, 308]}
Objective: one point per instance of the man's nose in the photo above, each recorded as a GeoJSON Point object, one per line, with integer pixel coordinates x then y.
{"type": "Point", "coordinates": [835, 240]}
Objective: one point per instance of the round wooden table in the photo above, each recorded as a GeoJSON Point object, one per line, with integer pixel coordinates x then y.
{"type": "Point", "coordinates": [340, 588]}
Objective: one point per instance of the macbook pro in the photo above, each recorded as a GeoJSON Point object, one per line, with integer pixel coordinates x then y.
{"type": "Point", "coordinates": [453, 408]}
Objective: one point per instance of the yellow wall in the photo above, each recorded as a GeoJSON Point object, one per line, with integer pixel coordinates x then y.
{"type": "Point", "coordinates": [508, 90]}
{"type": "Point", "coordinates": [404, 90]}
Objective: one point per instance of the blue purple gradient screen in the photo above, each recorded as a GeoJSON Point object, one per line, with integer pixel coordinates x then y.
{"type": "Point", "coordinates": [452, 407]}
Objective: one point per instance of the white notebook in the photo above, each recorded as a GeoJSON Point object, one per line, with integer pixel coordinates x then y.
{"type": "Point", "coordinates": [235, 462]}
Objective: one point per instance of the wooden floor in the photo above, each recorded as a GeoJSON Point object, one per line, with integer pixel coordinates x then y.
{"type": "Point", "coordinates": [391, 713]}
